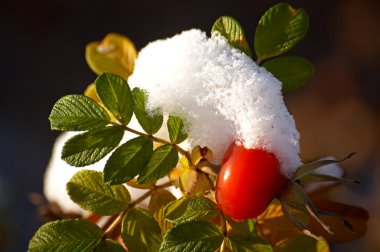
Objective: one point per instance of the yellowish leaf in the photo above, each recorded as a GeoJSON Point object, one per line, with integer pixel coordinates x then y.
{"type": "Point", "coordinates": [115, 54]}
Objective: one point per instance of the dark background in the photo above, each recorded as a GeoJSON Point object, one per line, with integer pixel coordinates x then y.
{"type": "Point", "coordinates": [42, 58]}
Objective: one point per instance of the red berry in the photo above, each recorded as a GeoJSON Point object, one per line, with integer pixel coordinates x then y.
{"type": "Point", "coordinates": [248, 180]}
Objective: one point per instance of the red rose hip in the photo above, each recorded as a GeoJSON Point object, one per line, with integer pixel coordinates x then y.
{"type": "Point", "coordinates": [248, 180]}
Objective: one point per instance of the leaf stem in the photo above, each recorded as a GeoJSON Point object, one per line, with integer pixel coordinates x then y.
{"type": "Point", "coordinates": [120, 217]}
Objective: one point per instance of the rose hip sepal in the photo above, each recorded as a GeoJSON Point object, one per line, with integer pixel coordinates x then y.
{"type": "Point", "coordinates": [247, 182]}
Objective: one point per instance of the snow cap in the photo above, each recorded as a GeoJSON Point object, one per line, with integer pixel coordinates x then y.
{"type": "Point", "coordinates": [221, 93]}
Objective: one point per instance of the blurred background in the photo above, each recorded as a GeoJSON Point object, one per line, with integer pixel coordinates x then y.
{"type": "Point", "coordinates": [42, 59]}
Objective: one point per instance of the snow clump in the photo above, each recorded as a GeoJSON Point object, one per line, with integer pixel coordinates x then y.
{"type": "Point", "coordinates": [221, 93]}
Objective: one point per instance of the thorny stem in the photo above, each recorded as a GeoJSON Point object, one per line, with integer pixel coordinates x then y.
{"type": "Point", "coordinates": [120, 217]}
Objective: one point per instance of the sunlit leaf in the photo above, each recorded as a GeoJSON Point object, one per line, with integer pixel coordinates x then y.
{"type": "Point", "coordinates": [150, 121]}
{"type": "Point", "coordinates": [306, 243]}
{"type": "Point", "coordinates": [77, 113]}
{"type": "Point", "coordinates": [162, 161]}
{"type": "Point", "coordinates": [90, 147]}
{"type": "Point", "coordinates": [116, 96]}
{"type": "Point", "coordinates": [115, 54]}
{"type": "Point", "coordinates": [66, 235]}
{"type": "Point", "coordinates": [247, 243]}
{"type": "Point", "coordinates": [158, 200]}
{"type": "Point", "coordinates": [279, 30]}
{"type": "Point", "coordinates": [194, 183]}
{"type": "Point", "coordinates": [128, 160]}
{"type": "Point", "coordinates": [87, 189]}
{"type": "Point", "coordinates": [176, 129]}
{"type": "Point", "coordinates": [230, 28]}
{"type": "Point", "coordinates": [194, 236]}
{"type": "Point", "coordinates": [140, 231]}
{"type": "Point", "coordinates": [188, 209]}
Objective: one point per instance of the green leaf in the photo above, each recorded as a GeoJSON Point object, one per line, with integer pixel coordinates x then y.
{"type": "Point", "coordinates": [192, 236]}
{"type": "Point", "coordinates": [116, 95]}
{"type": "Point", "coordinates": [188, 209]}
{"type": "Point", "coordinates": [310, 167]}
{"type": "Point", "coordinates": [109, 246]}
{"type": "Point", "coordinates": [158, 200]}
{"type": "Point", "coordinates": [163, 160]}
{"type": "Point", "coordinates": [230, 28]}
{"type": "Point", "coordinates": [90, 147]}
{"type": "Point", "coordinates": [114, 54]}
{"type": "Point", "coordinates": [307, 244]}
{"type": "Point", "coordinates": [176, 130]}
{"type": "Point", "coordinates": [279, 30]}
{"type": "Point", "coordinates": [140, 232]}
{"type": "Point", "coordinates": [244, 227]}
{"type": "Point", "coordinates": [66, 235]}
{"type": "Point", "coordinates": [247, 243]}
{"type": "Point", "coordinates": [150, 121]}
{"type": "Point", "coordinates": [292, 71]}
{"type": "Point", "coordinates": [76, 113]}
{"type": "Point", "coordinates": [87, 189]}
{"type": "Point", "coordinates": [128, 160]}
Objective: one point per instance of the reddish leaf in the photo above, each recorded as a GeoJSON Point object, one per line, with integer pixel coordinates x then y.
{"type": "Point", "coordinates": [356, 216]}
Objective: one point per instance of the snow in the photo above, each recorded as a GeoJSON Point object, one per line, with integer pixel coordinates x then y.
{"type": "Point", "coordinates": [221, 93]}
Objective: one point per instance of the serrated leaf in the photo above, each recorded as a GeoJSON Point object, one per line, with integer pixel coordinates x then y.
{"type": "Point", "coordinates": [247, 243]}
{"type": "Point", "coordinates": [163, 160]}
{"type": "Point", "coordinates": [90, 147]}
{"type": "Point", "coordinates": [109, 246]}
{"type": "Point", "coordinates": [310, 167]}
{"type": "Point", "coordinates": [158, 200]}
{"type": "Point", "coordinates": [230, 28]}
{"type": "Point", "coordinates": [307, 244]}
{"type": "Point", "coordinates": [279, 30]}
{"type": "Point", "coordinates": [176, 129]}
{"type": "Point", "coordinates": [77, 113]}
{"type": "Point", "coordinates": [140, 232]}
{"type": "Point", "coordinates": [116, 96]}
{"type": "Point", "coordinates": [114, 54]}
{"type": "Point", "coordinates": [73, 235]}
{"type": "Point", "coordinates": [189, 209]}
{"type": "Point", "coordinates": [87, 189]}
{"type": "Point", "coordinates": [128, 160]}
{"type": "Point", "coordinates": [150, 121]}
{"type": "Point", "coordinates": [194, 236]}
{"type": "Point", "coordinates": [292, 71]}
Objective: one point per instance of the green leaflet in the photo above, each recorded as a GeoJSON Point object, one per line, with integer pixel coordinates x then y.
{"type": "Point", "coordinates": [279, 30]}
{"type": "Point", "coordinates": [87, 189]}
{"type": "Point", "coordinates": [128, 160]}
{"type": "Point", "coordinates": [140, 231]}
{"type": "Point", "coordinates": [90, 147]}
{"type": "Point", "coordinates": [230, 28]}
{"type": "Point", "coordinates": [176, 130]}
{"type": "Point", "coordinates": [77, 113]}
{"type": "Point", "coordinates": [292, 71]}
{"type": "Point", "coordinates": [74, 235]}
{"type": "Point", "coordinates": [116, 95]}
{"type": "Point", "coordinates": [194, 236]}
{"type": "Point", "coordinates": [188, 209]}
{"type": "Point", "coordinates": [151, 123]}
{"type": "Point", "coordinates": [163, 160]}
